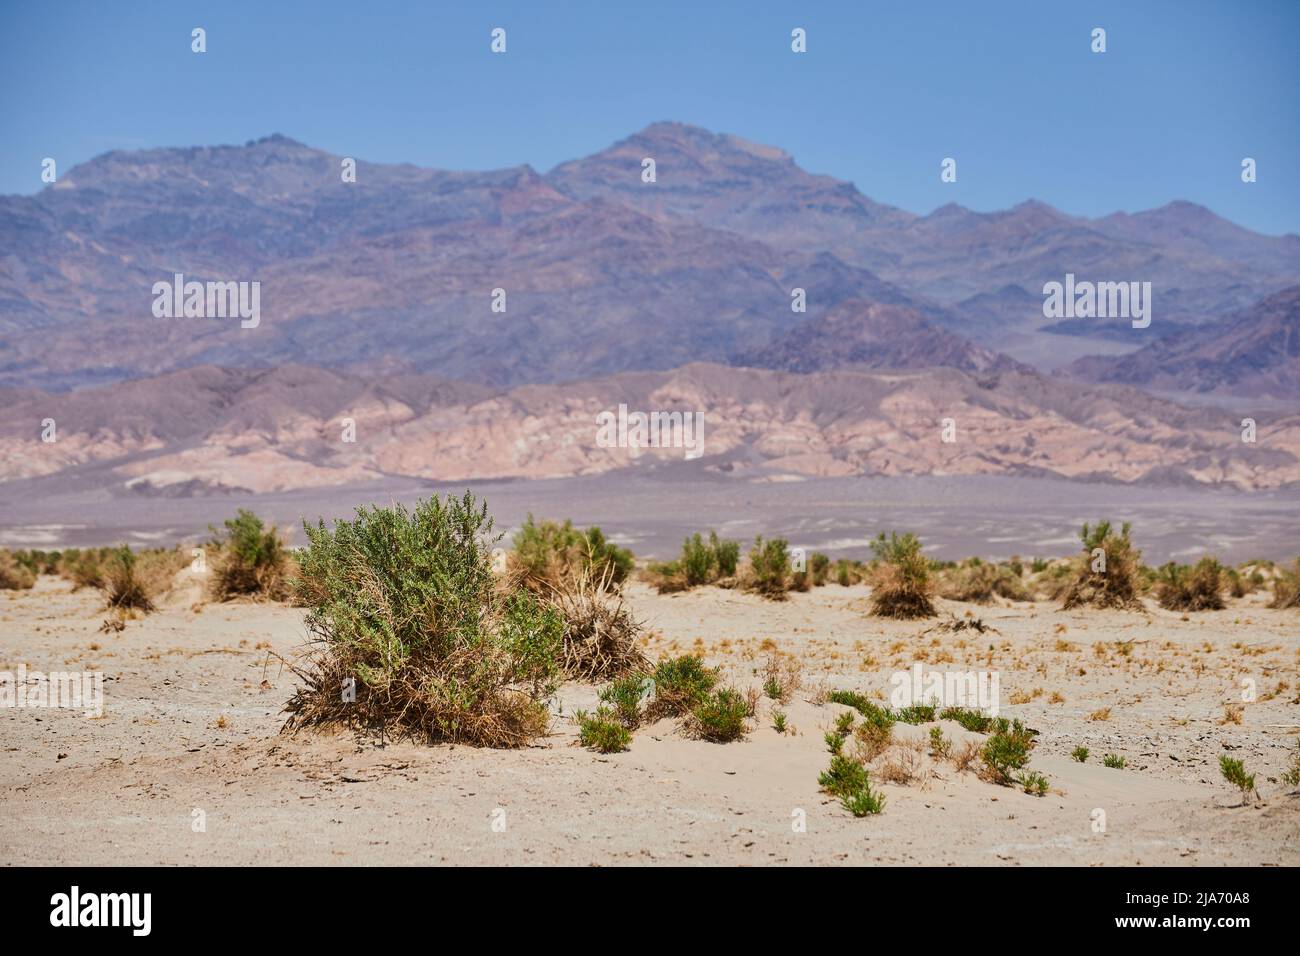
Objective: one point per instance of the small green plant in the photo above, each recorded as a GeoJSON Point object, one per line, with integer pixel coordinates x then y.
{"type": "Point", "coordinates": [940, 746]}
{"type": "Point", "coordinates": [872, 712]}
{"type": "Point", "coordinates": [601, 731]}
{"type": "Point", "coordinates": [863, 802]}
{"type": "Point", "coordinates": [834, 742]}
{"type": "Point", "coordinates": [915, 714]}
{"type": "Point", "coordinates": [778, 721]}
{"type": "Point", "coordinates": [726, 555]}
{"type": "Point", "coordinates": [1234, 771]}
{"type": "Point", "coordinates": [1080, 754]}
{"type": "Point", "coordinates": [844, 724]}
{"type": "Point", "coordinates": [1197, 588]}
{"type": "Point", "coordinates": [772, 688]}
{"type": "Point", "coordinates": [697, 561]}
{"type": "Point", "coordinates": [721, 716]}
{"type": "Point", "coordinates": [1033, 782]}
{"type": "Point", "coordinates": [1006, 751]}
{"type": "Point", "coordinates": [1114, 761]}
{"type": "Point", "coordinates": [844, 776]}
{"type": "Point", "coordinates": [547, 553]}
{"type": "Point", "coordinates": [626, 695]}
{"type": "Point", "coordinates": [250, 559]}
{"type": "Point", "coordinates": [1107, 573]}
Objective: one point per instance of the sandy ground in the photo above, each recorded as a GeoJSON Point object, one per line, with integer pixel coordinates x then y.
{"type": "Point", "coordinates": [191, 734]}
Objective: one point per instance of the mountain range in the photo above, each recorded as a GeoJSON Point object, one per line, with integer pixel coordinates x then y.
{"type": "Point", "coordinates": [472, 324]}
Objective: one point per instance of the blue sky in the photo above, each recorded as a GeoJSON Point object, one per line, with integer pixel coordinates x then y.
{"type": "Point", "coordinates": [886, 91]}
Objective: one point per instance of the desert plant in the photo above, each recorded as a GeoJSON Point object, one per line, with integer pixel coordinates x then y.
{"type": "Point", "coordinates": [1286, 587]}
{"type": "Point", "coordinates": [1114, 761]}
{"type": "Point", "coordinates": [1006, 751]}
{"type": "Point", "coordinates": [680, 683]}
{"type": "Point", "coordinates": [844, 776]}
{"type": "Point", "coordinates": [900, 580]}
{"type": "Point", "coordinates": [1106, 575]}
{"type": "Point", "coordinates": [977, 582]}
{"type": "Point", "coordinates": [1291, 776]}
{"type": "Point", "coordinates": [781, 676]}
{"type": "Point", "coordinates": [940, 746]}
{"type": "Point", "coordinates": [413, 635]}
{"type": "Point", "coordinates": [778, 721]}
{"type": "Point", "coordinates": [547, 553]}
{"type": "Point", "coordinates": [819, 566]}
{"type": "Point", "coordinates": [135, 582]}
{"type": "Point", "coordinates": [915, 713]}
{"type": "Point", "coordinates": [602, 732]}
{"type": "Point", "coordinates": [627, 695]}
{"type": "Point", "coordinates": [15, 576]}
{"type": "Point", "coordinates": [847, 573]}
{"type": "Point", "coordinates": [769, 568]}
{"type": "Point", "coordinates": [1234, 771]}
{"type": "Point", "coordinates": [872, 712]}
{"type": "Point", "coordinates": [720, 716]}
{"type": "Point", "coordinates": [1033, 782]}
{"type": "Point", "coordinates": [726, 555]}
{"type": "Point", "coordinates": [697, 562]}
{"type": "Point", "coordinates": [971, 720]}
{"type": "Point", "coordinates": [1182, 588]}
{"type": "Point", "coordinates": [250, 559]}
{"type": "Point", "coordinates": [600, 635]}
{"type": "Point", "coordinates": [1079, 754]}
{"type": "Point", "coordinates": [863, 802]}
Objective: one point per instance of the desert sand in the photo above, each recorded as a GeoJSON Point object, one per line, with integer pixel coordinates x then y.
{"type": "Point", "coordinates": [191, 732]}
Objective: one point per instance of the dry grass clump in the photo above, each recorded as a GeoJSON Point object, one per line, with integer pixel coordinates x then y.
{"type": "Point", "coordinates": [600, 634]}
{"type": "Point", "coordinates": [1106, 575]}
{"type": "Point", "coordinates": [135, 582]}
{"type": "Point", "coordinates": [782, 675]}
{"type": "Point", "coordinates": [13, 575]}
{"type": "Point", "coordinates": [1197, 588]}
{"type": "Point", "coordinates": [977, 582]}
{"type": "Point", "coordinates": [415, 637]}
{"type": "Point", "coordinates": [900, 579]}
{"type": "Point", "coordinates": [249, 559]}
{"type": "Point", "coordinates": [1286, 587]}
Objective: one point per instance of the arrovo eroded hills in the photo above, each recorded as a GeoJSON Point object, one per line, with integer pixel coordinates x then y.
{"type": "Point", "coordinates": [207, 430]}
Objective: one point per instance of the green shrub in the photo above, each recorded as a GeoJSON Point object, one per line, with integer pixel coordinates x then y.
{"type": "Point", "coordinates": [845, 776]}
{"type": "Point", "coordinates": [900, 580]}
{"type": "Point", "coordinates": [1006, 751]}
{"type": "Point", "coordinates": [915, 714]}
{"type": "Point", "coordinates": [769, 568]}
{"type": "Point", "coordinates": [1114, 761]}
{"type": "Point", "coordinates": [819, 566]}
{"type": "Point", "coordinates": [726, 555]}
{"type": "Point", "coordinates": [1033, 782]}
{"type": "Point", "coordinates": [847, 573]}
{"type": "Point", "coordinates": [872, 712]}
{"type": "Point", "coordinates": [971, 720]}
{"type": "Point", "coordinates": [862, 802]}
{"type": "Point", "coordinates": [135, 582]}
{"type": "Point", "coordinates": [547, 554]}
{"type": "Point", "coordinates": [250, 559]}
{"type": "Point", "coordinates": [627, 695]}
{"type": "Point", "coordinates": [720, 716]}
{"type": "Point", "coordinates": [1080, 754]}
{"type": "Point", "coordinates": [778, 721]}
{"type": "Point", "coordinates": [407, 615]}
{"type": "Point", "coordinates": [1198, 588]}
{"type": "Point", "coordinates": [680, 683]}
{"type": "Point", "coordinates": [697, 562]}
{"type": "Point", "coordinates": [601, 732]}
{"type": "Point", "coordinates": [1115, 587]}
{"type": "Point", "coordinates": [940, 746]}
{"type": "Point", "coordinates": [977, 582]}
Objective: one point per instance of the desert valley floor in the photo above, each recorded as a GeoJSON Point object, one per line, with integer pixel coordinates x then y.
{"type": "Point", "coordinates": [192, 729]}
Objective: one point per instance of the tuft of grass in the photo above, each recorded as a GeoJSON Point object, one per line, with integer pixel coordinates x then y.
{"type": "Point", "coordinates": [250, 559]}
{"type": "Point", "coordinates": [627, 695]}
{"type": "Point", "coordinates": [915, 713]}
{"type": "Point", "coordinates": [1198, 588]}
{"type": "Point", "coordinates": [602, 732]}
{"type": "Point", "coordinates": [900, 579]}
{"type": "Point", "coordinates": [1116, 586]}
{"type": "Point", "coordinates": [1234, 771]}
{"type": "Point", "coordinates": [1114, 761]}
{"type": "Point", "coordinates": [971, 720]}
{"type": "Point", "coordinates": [1079, 754]}
{"type": "Point", "coordinates": [779, 722]}
{"type": "Point", "coordinates": [940, 746]}
{"type": "Point", "coordinates": [782, 676]}
{"type": "Point", "coordinates": [413, 634]}
{"type": "Point", "coordinates": [872, 712]}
